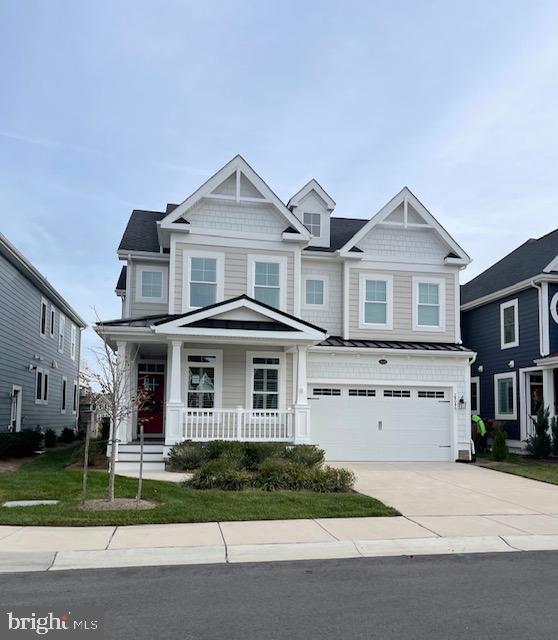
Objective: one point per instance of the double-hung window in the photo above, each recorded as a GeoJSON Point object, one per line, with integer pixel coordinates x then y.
{"type": "Point", "coordinates": [204, 379]}
{"type": "Point", "coordinates": [509, 324]}
{"type": "Point", "coordinates": [73, 341]}
{"type": "Point", "coordinates": [44, 318]}
{"type": "Point", "coordinates": [475, 395]}
{"type": "Point", "coordinates": [267, 276]}
{"type": "Point", "coordinates": [505, 396]}
{"type": "Point", "coordinates": [315, 292]}
{"type": "Point", "coordinates": [151, 284]}
{"type": "Point", "coordinates": [75, 398]}
{"type": "Point", "coordinates": [64, 393]}
{"type": "Point", "coordinates": [376, 295]}
{"type": "Point", "coordinates": [312, 221]}
{"type": "Point", "coordinates": [203, 281]}
{"type": "Point", "coordinates": [52, 319]}
{"type": "Point", "coordinates": [266, 374]}
{"type": "Point", "coordinates": [61, 332]}
{"type": "Point", "coordinates": [428, 304]}
{"type": "Point", "coordinates": [41, 386]}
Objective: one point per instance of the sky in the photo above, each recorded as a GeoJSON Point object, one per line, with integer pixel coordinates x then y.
{"type": "Point", "coordinates": [106, 106]}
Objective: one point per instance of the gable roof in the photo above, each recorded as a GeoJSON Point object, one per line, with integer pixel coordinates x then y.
{"type": "Point", "coordinates": [141, 231]}
{"type": "Point", "coordinates": [239, 166]}
{"type": "Point", "coordinates": [312, 185]}
{"type": "Point", "coordinates": [530, 259]}
{"type": "Point", "coordinates": [406, 196]}
{"type": "Point", "coordinates": [121, 284]}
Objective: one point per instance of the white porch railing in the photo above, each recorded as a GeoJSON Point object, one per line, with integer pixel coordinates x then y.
{"type": "Point", "coordinates": [238, 424]}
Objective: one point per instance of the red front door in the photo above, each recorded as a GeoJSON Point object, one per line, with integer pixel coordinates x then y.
{"type": "Point", "coordinates": [151, 413]}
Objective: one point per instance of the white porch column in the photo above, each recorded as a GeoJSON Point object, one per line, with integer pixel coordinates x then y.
{"type": "Point", "coordinates": [548, 390]}
{"type": "Point", "coordinates": [173, 424]}
{"type": "Point", "coordinates": [124, 363]}
{"type": "Point", "coordinates": [301, 407]}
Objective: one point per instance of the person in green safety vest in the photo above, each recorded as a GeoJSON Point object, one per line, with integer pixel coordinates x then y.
{"type": "Point", "coordinates": [479, 433]}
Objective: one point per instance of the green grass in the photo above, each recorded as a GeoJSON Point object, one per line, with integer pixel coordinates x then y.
{"type": "Point", "coordinates": [525, 467]}
{"type": "Point", "coordinates": [47, 478]}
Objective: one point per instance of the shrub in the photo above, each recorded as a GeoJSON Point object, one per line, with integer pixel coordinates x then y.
{"type": "Point", "coordinates": [331, 480]}
{"type": "Point", "coordinates": [307, 454]}
{"type": "Point", "coordinates": [220, 474]}
{"type": "Point", "coordinates": [50, 438]}
{"type": "Point", "coordinates": [499, 446]}
{"type": "Point", "coordinates": [67, 436]}
{"type": "Point", "coordinates": [225, 448]}
{"type": "Point", "coordinates": [20, 444]}
{"type": "Point", "coordinates": [554, 432]}
{"type": "Point", "coordinates": [279, 474]}
{"type": "Point", "coordinates": [274, 474]}
{"type": "Point", "coordinates": [187, 455]}
{"type": "Point", "coordinates": [256, 452]}
{"type": "Point", "coordinates": [538, 443]}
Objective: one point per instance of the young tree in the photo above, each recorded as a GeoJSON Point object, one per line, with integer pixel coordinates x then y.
{"type": "Point", "coordinates": [112, 375]}
{"type": "Point", "coordinates": [539, 443]}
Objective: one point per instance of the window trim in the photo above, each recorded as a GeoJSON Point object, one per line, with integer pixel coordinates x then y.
{"type": "Point", "coordinates": [388, 279]}
{"type": "Point", "coordinates": [506, 305]}
{"type": "Point", "coordinates": [218, 366]}
{"type": "Point", "coordinates": [45, 385]}
{"type": "Point", "coordinates": [73, 341]}
{"type": "Point", "coordinates": [310, 305]}
{"type": "Point", "coordinates": [282, 261]}
{"type": "Point", "coordinates": [164, 270]}
{"type": "Point", "coordinates": [44, 306]}
{"type": "Point", "coordinates": [64, 395]}
{"type": "Point", "coordinates": [61, 332]}
{"type": "Point", "coordinates": [281, 378]}
{"type": "Point", "coordinates": [187, 270]}
{"type": "Point", "coordinates": [52, 319]}
{"type": "Point", "coordinates": [75, 398]}
{"type": "Point", "coordinates": [441, 282]}
{"type": "Point", "coordinates": [497, 413]}
{"type": "Point", "coordinates": [475, 380]}
{"type": "Point", "coordinates": [313, 213]}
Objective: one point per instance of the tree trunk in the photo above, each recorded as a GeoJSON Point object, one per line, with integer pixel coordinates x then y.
{"type": "Point", "coordinates": [112, 460]}
{"type": "Point", "coordinates": [140, 476]}
{"type": "Point", "coordinates": [85, 465]}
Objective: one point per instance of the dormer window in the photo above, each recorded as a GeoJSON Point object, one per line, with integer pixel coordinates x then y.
{"type": "Point", "coordinates": [312, 221]}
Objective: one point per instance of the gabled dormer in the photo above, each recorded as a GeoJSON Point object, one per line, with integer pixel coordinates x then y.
{"type": "Point", "coordinates": [313, 207]}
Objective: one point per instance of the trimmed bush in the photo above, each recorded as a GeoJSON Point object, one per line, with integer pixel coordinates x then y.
{"type": "Point", "coordinates": [539, 444]}
{"type": "Point", "coordinates": [50, 438]}
{"type": "Point", "coordinates": [332, 480]}
{"type": "Point", "coordinates": [20, 444]}
{"type": "Point", "coordinates": [274, 474]}
{"type": "Point", "coordinates": [67, 436]}
{"type": "Point", "coordinates": [187, 455]}
{"type": "Point", "coordinates": [225, 448]}
{"type": "Point", "coordinates": [307, 454]}
{"type": "Point", "coordinates": [220, 474]}
{"type": "Point", "coordinates": [499, 446]}
{"type": "Point", "coordinates": [256, 452]}
{"type": "Point", "coordinates": [554, 434]}
{"type": "Point", "coordinates": [277, 474]}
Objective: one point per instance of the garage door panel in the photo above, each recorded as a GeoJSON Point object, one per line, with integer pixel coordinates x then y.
{"type": "Point", "coordinates": [377, 427]}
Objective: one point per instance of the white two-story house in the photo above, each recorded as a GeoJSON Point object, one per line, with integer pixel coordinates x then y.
{"type": "Point", "coordinates": [252, 319]}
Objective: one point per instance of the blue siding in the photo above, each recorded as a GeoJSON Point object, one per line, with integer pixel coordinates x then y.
{"type": "Point", "coordinates": [481, 333]}
{"type": "Point", "coordinates": [552, 291]}
{"type": "Point", "coordinates": [22, 346]}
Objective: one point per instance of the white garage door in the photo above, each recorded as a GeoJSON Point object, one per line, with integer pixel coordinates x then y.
{"type": "Point", "coordinates": [381, 423]}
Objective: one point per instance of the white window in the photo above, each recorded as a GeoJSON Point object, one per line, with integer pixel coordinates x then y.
{"type": "Point", "coordinates": [203, 282]}
{"type": "Point", "coordinates": [41, 386]}
{"type": "Point", "coordinates": [44, 317]}
{"type": "Point", "coordinates": [75, 398]}
{"type": "Point", "coordinates": [151, 284]}
{"type": "Point", "coordinates": [52, 319]}
{"type": "Point", "coordinates": [429, 303]}
{"type": "Point", "coordinates": [505, 396]}
{"type": "Point", "coordinates": [376, 301]}
{"type": "Point", "coordinates": [64, 394]}
{"type": "Point", "coordinates": [73, 341]}
{"type": "Point", "coordinates": [312, 221]}
{"type": "Point", "coordinates": [475, 395]}
{"type": "Point", "coordinates": [61, 332]}
{"type": "Point", "coordinates": [204, 379]}
{"type": "Point", "coordinates": [509, 324]}
{"type": "Point", "coordinates": [268, 280]}
{"type": "Point", "coordinates": [314, 292]}
{"type": "Point", "coordinates": [267, 380]}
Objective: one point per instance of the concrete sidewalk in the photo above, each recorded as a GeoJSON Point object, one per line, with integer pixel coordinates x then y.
{"type": "Point", "coordinates": [56, 548]}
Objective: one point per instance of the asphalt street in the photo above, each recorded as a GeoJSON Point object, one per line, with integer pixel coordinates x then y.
{"type": "Point", "coordinates": [496, 596]}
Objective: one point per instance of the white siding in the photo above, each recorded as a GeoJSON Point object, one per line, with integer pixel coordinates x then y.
{"type": "Point", "coordinates": [418, 245]}
{"type": "Point", "coordinates": [138, 309]}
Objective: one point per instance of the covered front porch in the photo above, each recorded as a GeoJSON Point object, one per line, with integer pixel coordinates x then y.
{"type": "Point", "coordinates": [538, 387]}
{"type": "Point", "coordinates": [237, 373]}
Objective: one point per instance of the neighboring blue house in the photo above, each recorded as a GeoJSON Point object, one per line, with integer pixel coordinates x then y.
{"type": "Point", "coordinates": [40, 336]}
{"type": "Point", "coordinates": [510, 318]}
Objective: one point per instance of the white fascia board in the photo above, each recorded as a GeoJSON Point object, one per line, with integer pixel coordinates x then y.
{"type": "Point", "coordinates": [293, 237]}
{"type": "Point", "coordinates": [551, 266]}
{"type": "Point", "coordinates": [396, 352]}
{"type": "Point", "coordinates": [312, 185]}
{"type": "Point", "coordinates": [147, 256]}
{"type": "Point", "coordinates": [502, 293]}
{"type": "Point", "coordinates": [237, 163]}
{"type": "Point", "coordinates": [547, 362]}
{"type": "Point", "coordinates": [291, 336]}
{"type": "Point", "coordinates": [406, 195]}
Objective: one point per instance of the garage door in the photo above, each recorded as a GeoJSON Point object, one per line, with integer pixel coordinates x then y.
{"type": "Point", "coordinates": [381, 423]}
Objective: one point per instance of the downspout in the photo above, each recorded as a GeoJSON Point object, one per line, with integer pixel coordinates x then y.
{"type": "Point", "coordinates": [542, 342]}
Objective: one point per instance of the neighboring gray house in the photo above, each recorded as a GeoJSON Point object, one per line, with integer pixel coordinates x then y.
{"type": "Point", "coordinates": [251, 319]}
{"type": "Point", "coordinates": [40, 336]}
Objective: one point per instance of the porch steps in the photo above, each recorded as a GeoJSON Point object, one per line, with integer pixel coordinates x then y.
{"type": "Point", "coordinates": [129, 457]}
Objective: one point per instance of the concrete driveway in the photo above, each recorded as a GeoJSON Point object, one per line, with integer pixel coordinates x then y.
{"type": "Point", "coordinates": [460, 499]}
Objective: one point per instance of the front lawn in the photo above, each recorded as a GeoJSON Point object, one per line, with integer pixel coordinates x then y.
{"type": "Point", "coordinates": [544, 471]}
{"type": "Point", "coordinates": [47, 478]}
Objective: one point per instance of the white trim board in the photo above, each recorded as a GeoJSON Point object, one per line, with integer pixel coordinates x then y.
{"type": "Point", "coordinates": [497, 378]}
